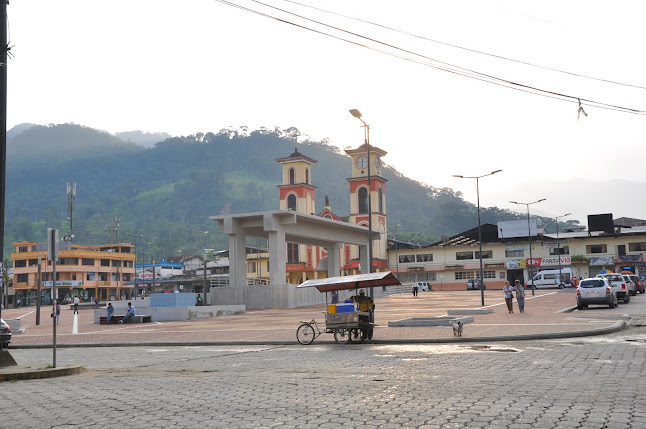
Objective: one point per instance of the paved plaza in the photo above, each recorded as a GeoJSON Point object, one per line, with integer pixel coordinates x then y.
{"type": "Point", "coordinates": [591, 382]}
{"type": "Point", "coordinates": [584, 382]}
{"type": "Point", "coordinates": [544, 315]}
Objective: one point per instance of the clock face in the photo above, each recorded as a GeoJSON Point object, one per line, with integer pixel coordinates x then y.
{"type": "Point", "coordinates": [377, 162]}
{"type": "Point", "coordinates": [361, 161]}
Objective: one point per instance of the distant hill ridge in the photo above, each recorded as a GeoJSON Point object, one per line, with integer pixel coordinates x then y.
{"type": "Point", "coordinates": [165, 194]}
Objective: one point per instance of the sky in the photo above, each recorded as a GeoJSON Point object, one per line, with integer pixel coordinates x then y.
{"type": "Point", "coordinates": [202, 65]}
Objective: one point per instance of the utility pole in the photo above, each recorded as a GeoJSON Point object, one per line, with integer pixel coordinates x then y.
{"type": "Point", "coordinates": [4, 47]}
{"type": "Point", "coordinates": [71, 196]}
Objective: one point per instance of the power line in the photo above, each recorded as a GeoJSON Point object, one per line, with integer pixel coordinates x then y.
{"type": "Point", "coordinates": [469, 73]}
{"type": "Point", "coordinates": [466, 49]}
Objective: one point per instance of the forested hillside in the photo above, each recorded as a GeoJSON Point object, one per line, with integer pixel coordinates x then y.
{"type": "Point", "coordinates": [166, 193]}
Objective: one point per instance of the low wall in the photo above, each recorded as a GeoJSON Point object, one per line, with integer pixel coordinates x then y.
{"type": "Point", "coordinates": [277, 296]}
{"type": "Point", "coordinates": [168, 314]}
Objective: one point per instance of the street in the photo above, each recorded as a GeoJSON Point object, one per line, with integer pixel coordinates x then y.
{"type": "Point", "coordinates": [591, 382]}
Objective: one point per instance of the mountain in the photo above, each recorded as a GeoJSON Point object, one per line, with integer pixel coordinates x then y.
{"type": "Point", "coordinates": [165, 194]}
{"type": "Point", "coordinates": [141, 138]}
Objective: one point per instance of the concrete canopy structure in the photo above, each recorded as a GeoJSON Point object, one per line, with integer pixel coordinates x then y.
{"type": "Point", "coordinates": [282, 226]}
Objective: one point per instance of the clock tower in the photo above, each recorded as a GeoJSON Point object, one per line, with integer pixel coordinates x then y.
{"type": "Point", "coordinates": [297, 192]}
{"type": "Point", "coordinates": [360, 190]}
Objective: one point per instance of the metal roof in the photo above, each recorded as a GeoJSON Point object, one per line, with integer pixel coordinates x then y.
{"type": "Point", "coordinates": [356, 281]}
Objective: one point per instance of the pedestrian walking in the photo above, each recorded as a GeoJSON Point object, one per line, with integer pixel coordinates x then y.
{"type": "Point", "coordinates": [520, 295]}
{"type": "Point", "coordinates": [76, 304]}
{"type": "Point", "coordinates": [509, 296]}
{"type": "Point", "coordinates": [18, 303]}
{"type": "Point", "coordinates": [58, 313]}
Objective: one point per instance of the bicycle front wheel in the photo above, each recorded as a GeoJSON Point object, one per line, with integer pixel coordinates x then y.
{"type": "Point", "coordinates": [305, 334]}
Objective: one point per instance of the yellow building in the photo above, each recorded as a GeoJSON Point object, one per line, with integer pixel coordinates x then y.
{"type": "Point", "coordinates": [84, 271]}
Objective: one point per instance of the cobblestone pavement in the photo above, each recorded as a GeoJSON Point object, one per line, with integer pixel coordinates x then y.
{"type": "Point", "coordinates": [591, 382]}
{"type": "Point", "coordinates": [541, 316]}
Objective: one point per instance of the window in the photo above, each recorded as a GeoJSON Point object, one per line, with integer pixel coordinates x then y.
{"type": "Point", "coordinates": [116, 263]}
{"type": "Point", "coordinates": [404, 259]}
{"type": "Point", "coordinates": [22, 278]}
{"type": "Point", "coordinates": [328, 216]}
{"type": "Point", "coordinates": [637, 247]}
{"type": "Point", "coordinates": [307, 176]}
{"type": "Point", "coordinates": [20, 263]}
{"type": "Point", "coordinates": [381, 201]}
{"type": "Point", "coordinates": [514, 254]}
{"type": "Point", "coordinates": [486, 254]}
{"type": "Point", "coordinates": [126, 277]}
{"type": "Point", "coordinates": [87, 261]}
{"type": "Point", "coordinates": [363, 200]}
{"type": "Point", "coordinates": [565, 250]}
{"type": "Point", "coordinates": [596, 248]}
{"type": "Point", "coordinates": [105, 262]}
{"type": "Point", "coordinates": [292, 176]}
{"type": "Point", "coordinates": [291, 202]}
{"type": "Point", "coordinates": [463, 255]}
{"type": "Point", "coordinates": [115, 276]}
{"type": "Point", "coordinates": [549, 276]}
{"type": "Point", "coordinates": [292, 253]}
{"type": "Point", "coordinates": [103, 277]}
{"type": "Point", "coordinates": [251, 267]}
{"type": "Point", "coordinates": [90, 276]}
{"type": "Point", "coordinates": [491, 274]}
{"type": "Point", "coordinates": [426, 257]}
{"type": "Point", "coordinates": [463, 275]}
{"type": "Point", "coordinates": [68, 261]}
{"type": "Point", "coordinates": [33, 262]}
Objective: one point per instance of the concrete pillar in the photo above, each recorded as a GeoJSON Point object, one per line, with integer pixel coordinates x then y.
{"type": "Point", "coordinates": [277, 257]}
{"type": "Point", "coordinates": [363, 260]}
{"type": "Point", "coordinates": [237, 260]}
{"type": "Point", "coordinates": [333, 261]}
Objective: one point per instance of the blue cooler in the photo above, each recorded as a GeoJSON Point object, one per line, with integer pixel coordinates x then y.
{"type": "Point", "coordinates": [345, 308]}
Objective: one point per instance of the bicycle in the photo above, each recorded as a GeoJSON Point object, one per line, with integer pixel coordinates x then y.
{"type": "Point", "coordinates": [305, 334]}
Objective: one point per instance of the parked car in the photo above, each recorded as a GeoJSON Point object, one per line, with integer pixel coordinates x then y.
{"type": "Point", "coordinates": [425, 286]}
{"type": "Point", "coordinates": [618, 281]}
{"type": "Point", "coordinates": [5, 333]}
{"type": "Point", "coordinates": [639, 282]}
{"type": "Point", "coordinates": [597, 290]}
{"type": "Point", "coordinates": [474, 284]}
{"type": "Point", "coordinates": [632, 285]}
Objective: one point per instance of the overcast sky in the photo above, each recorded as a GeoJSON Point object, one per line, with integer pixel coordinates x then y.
{"type": "Point", "coordinates": [200, 65]}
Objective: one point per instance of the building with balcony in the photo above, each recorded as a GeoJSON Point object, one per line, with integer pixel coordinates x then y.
{"type": "Point", "coordinates": [85, 271]}
{"type": "Point", "coordinates": [449, 263]}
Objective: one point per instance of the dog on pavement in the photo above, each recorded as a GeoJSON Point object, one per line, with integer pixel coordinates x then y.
{"type": "Point", "coordinates": [457, 328]}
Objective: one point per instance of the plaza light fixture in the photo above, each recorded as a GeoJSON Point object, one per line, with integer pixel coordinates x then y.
{"type": "Point", "coordinates": [530, 271]}
{"type": "Point", "coordinates": [482, 284]}
{"type": "Point", "coordinates": [366, 127]}
{"type": "Point", "coordinates": [558, 243]}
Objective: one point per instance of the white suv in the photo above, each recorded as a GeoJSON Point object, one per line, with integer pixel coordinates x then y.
{"type": "Point", "coordinates": [617, 280]}
{"type": "Point", "coordinates": [632, 287]}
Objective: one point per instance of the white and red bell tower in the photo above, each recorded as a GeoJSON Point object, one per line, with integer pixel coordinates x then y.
{"type": "Point", "coordinates": [360, 191]}
{"type": "Point", "coordinates": [297, 192]}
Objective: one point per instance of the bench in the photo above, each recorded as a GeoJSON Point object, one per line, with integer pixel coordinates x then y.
{"type": "Point", "coordinates": [137, 318]}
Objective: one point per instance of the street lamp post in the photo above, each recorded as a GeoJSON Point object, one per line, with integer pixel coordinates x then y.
{"type": "Point", "coordinates": [204, 287]}
{"type": "Point", "coordinates": [558, 243]}
{"type": "Point", "coordinates": [530, 266]}
{"type": "Point", "coordinates": [482, 283]}
{"type": "Point", "coordinates": [396, 253]}
{"type": "Point", "coordinates": [366, 127]}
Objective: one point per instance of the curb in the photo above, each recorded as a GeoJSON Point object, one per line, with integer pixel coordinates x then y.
{"type": "Point", "coordinates": [617, 326]}
{"type": "Point", "coordinates": [33, 374]}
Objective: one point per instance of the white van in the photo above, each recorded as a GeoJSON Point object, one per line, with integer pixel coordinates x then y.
{"type": "Point", "coordinates": [550, 278]}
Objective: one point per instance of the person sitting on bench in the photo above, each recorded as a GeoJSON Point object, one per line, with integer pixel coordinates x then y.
{"type": "Point", "coordinates": [110, 310]}
{"type": "Point", "coordinates": [129, 314]}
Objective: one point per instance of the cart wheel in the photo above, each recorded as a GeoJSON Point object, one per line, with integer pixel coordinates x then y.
{"type": "Point", "coordinates": [305, 334]}
{"type": "Point", "coordinates": [358, 335]}
{"type": "Point", "coordinates": [342, 336]}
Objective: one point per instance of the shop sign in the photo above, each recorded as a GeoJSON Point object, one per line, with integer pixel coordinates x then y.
{"type": "Point", "coordinates": [64, 283]}
{"type": "Point", "coordinates": [601, 261]}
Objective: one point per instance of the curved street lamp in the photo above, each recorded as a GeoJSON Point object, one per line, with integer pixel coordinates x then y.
{"type": "Point", "coordinates": [530, 266]}
{"type": "Point", "coordinates": [482, 285]}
